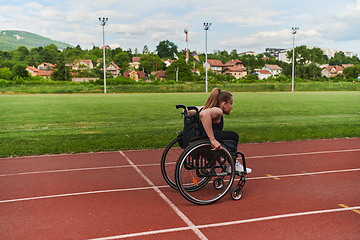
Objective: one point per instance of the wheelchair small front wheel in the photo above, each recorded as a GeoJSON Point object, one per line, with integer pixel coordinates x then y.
{"type": "Point", "coordinates": [218, 183]}
{"type": "Point", "coordinates": [236, 194]}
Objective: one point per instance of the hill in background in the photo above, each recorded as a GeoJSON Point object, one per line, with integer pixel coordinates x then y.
{"type": "Point", "coordinates": [11, 40]}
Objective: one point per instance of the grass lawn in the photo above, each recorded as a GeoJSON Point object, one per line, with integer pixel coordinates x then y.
{"type": "Point", "coordinates": [50, 124]}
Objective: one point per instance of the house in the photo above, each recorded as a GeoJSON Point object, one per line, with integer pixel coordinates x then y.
{"type": "Point", "coordinates": [99, 61]}
{"type": "Point", "coordinates": [46, 66]}
{"type": "Point", "coordinates": [160, 75]}
{"type": "Point", "coordinates": [234, 71]}
{"type": "Point", "coordinates": [262, 74]}
{"type": "Point", "coordinates": [331, 71]}
{"type": "Point", "coordinates": [136, 75]}
{"type": "Point", "coordinates": [274, 69]}
{"type": "Point", "coordinates": [347, 65]}
{"type": "Point", "coordinates": [235, 63]}
{"type": "Point", "coordinates": [247, 53]}
{"type": "Point", "coordinates": [106, 47]}
{"type": "Point", "coordinates": [168, 62]}
{"type": "Point", "coordinates": [214, 65]}
{"type": "Point", "coordinates": [135, 62]}
{"type": "Point", "coordinates": [113, 69]}
{"type": "Point", "coordinates": [79, 62]}
{"type": "Point", "coordinates": [33, 71]}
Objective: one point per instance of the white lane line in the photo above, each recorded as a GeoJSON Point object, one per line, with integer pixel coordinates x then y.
{"type": "Point", "coordinates": [306, 153]}
{"type": "Point", "coordinates": [155, 164]}
{"type": "Point", "coordinates": [77, 194]}
{"type": "Point", "coordinates": [305, 174]}
{"type": "Point", "coordinates": [164, 186]}
{"type": "Point", "coordinates": [177, 211]}
{"type": "Point", "coordinates": [230, 223]}
{"type": "Point", "coordinates": [63, 170]}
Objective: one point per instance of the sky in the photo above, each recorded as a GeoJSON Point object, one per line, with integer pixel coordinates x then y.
{"type": "Point", "coordinates": [235, 24]}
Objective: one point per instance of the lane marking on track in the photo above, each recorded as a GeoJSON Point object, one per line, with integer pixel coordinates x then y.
{"type": "Point", "coordinates": [273, 177]}
{"type": "Point", "coordinates": [305, 174]}
{"type": "Point", "coordinates": [230, 223]}
{"type": "Point", "coordinates": [167, 200]}
{"type": "Point", "coordinates": [306, 153]}
{"type": "Point", "coordinates": [78, 194]}
{"type": "Point", "coordinates": [64, 170]}
{"type": "Point", "coordinates": [342, 205]}
{"type": "Point", "coordinates": [154, 164]}
{"type": "Point", "coordinates": [164, 186]}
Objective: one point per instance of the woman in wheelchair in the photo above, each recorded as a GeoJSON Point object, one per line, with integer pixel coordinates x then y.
{"type": "Point", "coordinates": [218, 103]}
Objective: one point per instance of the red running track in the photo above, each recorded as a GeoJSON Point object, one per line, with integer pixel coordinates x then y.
{"type": "Point", "coordinates": [297, 190]}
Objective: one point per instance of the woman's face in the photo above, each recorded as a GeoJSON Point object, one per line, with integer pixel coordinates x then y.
{"type": "Point", "coordinates": [227, 106]}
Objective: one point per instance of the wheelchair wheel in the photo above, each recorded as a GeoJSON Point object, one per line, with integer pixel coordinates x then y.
{"type": "Point", "coordinates": [168, 161]}
{"type": "Point", "coordinates": [197, 169]}
{"type": "Point", "coordinates": [236, 194]}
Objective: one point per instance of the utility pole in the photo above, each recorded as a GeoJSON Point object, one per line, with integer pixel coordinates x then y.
{"type": "Point", "coordinates": [187, 55]}
{"type": "Point", "coordinates": [294, 30]}
{"type": "Point", "coordinates": [103, 23]}
{"type": "Point", "coordinates": [206, 28]}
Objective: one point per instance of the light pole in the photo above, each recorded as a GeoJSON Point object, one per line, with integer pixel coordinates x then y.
{"type": "Point", "coordinates": [103, 23]}
{"type": "Point", "coordinates": [294, 30]}
{"type": "Point", "coordinates": [186, 33]}
{"type": "Point", "coordinates": [206, 28]}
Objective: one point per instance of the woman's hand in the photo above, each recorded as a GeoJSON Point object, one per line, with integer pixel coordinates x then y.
{"type": "Point", "coordinates": [215, 145]}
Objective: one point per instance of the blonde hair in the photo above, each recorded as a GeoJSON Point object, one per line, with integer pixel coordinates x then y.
{"type": "Point", "coordinates": [216, 97]}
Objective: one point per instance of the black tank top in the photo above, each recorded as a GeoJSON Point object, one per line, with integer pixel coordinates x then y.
{"type": "Point", "coordinates": [215, 126]}
{"type": "Point", "coordinates": [220, 125]}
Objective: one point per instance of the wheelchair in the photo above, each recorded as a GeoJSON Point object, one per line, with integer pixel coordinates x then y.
{"type": "Point", "coordinates": [202, 176]}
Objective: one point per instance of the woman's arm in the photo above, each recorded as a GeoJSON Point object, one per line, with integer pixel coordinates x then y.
{"type": "Point", "coordinates": [192, 112]}
{"type": "Point", "coordinates": [207, 116]}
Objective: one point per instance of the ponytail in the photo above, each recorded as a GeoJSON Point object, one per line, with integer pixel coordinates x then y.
{"type": "Point", "coordinates": [216, 97]}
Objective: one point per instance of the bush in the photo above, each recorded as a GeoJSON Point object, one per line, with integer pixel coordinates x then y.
{"type": "Point", "coordinates": [3, 82]}
{"type": "Point", "coordinates": [121, 81]}
{"type": "Point", "coordinates": [170, 82]}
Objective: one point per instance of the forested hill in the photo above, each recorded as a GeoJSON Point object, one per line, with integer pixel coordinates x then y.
{"type": "Point", "coordinates": [11, 40]}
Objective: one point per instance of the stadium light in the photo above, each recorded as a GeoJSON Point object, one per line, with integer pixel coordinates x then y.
{"type": "Point", "coordinates": [186, 34]}
{"type": "Point", "coordinates": [103, 23]}
{"type": "Point", "coordinates": [206, 28]}
{"type": "Point", "coordinates": [294, 30]}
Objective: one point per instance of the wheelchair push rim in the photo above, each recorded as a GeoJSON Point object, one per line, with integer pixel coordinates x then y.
{"type": "Point", "coordinates": [204, 176]}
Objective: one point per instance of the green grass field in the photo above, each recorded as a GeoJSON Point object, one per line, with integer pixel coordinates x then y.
{"type": "Point", "coordinates": [51, 124]}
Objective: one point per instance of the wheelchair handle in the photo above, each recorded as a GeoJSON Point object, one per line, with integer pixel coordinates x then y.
{"type": "Point", "coordinates": [193, 108]}
{"type": "Point", "coordinates": [180, 106]}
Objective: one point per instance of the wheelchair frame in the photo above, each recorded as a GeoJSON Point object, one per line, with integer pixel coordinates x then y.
{"type": "Point", "coordinates": [201, 175]}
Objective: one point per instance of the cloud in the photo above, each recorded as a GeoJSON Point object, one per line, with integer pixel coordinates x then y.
{"type": "Point", "coordinates": [236, 24]}
{"type": "Point", "coordinates": [264, 39]}
{"type": "Point", "coordinates": [341, 26]}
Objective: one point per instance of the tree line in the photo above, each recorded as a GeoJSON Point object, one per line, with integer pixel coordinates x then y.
{"type": "Point", "coordinates": [13, 63]}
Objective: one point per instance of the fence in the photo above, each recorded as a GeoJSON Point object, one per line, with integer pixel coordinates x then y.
{"type": "Point", "coordinates": [172, 88]}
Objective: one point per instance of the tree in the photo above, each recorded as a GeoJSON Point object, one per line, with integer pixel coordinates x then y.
{"type": "Point", "coordinates": [122, 59]}
{"type": "Point", "coordinates": [145, 50]}
{"type": "Point", "coordinates": [5, 73]}
{"type": "Point", "coordinates": [234, 54]}
{"type": "Point", "coordinates": [151, 62]}
{"type": "Point", "coordinates": [304, 55]}
{"type": "Point", "coordinates": [166, 49]}
{"type": "Point", "coordinates": [59, 72]}
{"type": "Point", "coordinates": [184, 71]}
{"type": "Point", "coordinates": [19, 69]}
{"type": "Point", "coordinates": [115, 51]}
{"type": "Point", "coordinates": [352, 72]}
{"type": "Point", "coordinates": [24, 52]}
